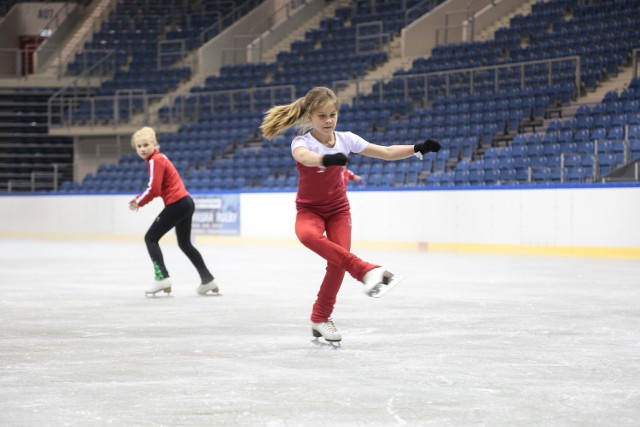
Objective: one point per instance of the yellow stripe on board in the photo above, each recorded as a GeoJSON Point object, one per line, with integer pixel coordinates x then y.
{"type": "Point", "coordinates": [478, 248]}
{"type": "Point", "coordinates": [538, 250]}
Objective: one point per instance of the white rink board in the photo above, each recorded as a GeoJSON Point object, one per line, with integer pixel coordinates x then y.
{"type": "Point", "coordinates": [581, 217]}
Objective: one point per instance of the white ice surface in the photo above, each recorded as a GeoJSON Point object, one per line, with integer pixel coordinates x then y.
{"type": "Point", "coordinates": [465, 340]}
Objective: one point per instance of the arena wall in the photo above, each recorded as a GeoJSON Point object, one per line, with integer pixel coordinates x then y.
{"type": "Point", "coordinates": [583, 221]}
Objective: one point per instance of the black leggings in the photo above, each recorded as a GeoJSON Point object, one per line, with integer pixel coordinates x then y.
{"type": "Point", "coordinates": [178, 215]}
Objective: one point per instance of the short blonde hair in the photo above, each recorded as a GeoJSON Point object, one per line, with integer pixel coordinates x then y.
{"type": "Point", "coordinates": [144, 134]}
{"type": "Point", "coordinates": [281, 117]}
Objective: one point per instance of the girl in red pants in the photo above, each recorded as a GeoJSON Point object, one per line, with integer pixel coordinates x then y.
{"type": "Point", "coordinates": [323, 222]}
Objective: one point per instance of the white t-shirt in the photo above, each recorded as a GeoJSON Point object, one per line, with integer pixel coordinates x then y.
{"type": "Point", "coordinates": [346, 142]}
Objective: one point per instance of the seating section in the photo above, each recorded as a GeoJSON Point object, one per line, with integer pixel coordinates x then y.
{"type": "Point", "coordinates": [601, 33]}
{"type": "Point", "coordinates": [339, 47]}
{"type": "Point", "coordinates": [499, 124]}
{"type": "Point", "coordinates": [157, 34]}
{"type": "Point", "coordinates": [523, 93]}
{"type": "Point", "coordinates": [139, 48]}
{"type": "Point", "coordinates": [30, 159]}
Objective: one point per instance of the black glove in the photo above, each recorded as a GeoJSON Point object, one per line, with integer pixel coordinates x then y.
{"type": "Point", "coordinates": [337, 159]}
{"type": "Point", "coordinates": [430, 145]}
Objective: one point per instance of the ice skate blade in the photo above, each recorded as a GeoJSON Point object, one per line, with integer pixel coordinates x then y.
{"type": "Point", "coordinates": [210, 294]}
{"type": "Point", "coordinates": [204, 292]}
{"type": "Point", "coordinates": [382, 289]}
{"type": "Point", "coordinates": [152, 294]}
{"type": "Point", "coordinates": [335, 345]}
{"type": "Point", "coordinates": [208, 289]}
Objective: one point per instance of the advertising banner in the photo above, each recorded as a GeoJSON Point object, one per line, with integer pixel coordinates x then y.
{"type": "Point", "coordinates": [217, 214]}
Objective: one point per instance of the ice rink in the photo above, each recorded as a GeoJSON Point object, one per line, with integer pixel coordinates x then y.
{"type": "Point", "coordinates": [465, 340]}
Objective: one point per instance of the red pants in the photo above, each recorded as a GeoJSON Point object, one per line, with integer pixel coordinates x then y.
{"type": "Point", "coordinates": [335, 248]}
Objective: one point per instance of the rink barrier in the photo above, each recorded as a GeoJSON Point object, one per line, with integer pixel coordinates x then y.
{"type": "Point", "coordinates": [572, 222]}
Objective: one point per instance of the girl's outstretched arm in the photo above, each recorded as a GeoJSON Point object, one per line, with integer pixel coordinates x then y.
{"type": "Point", "coordinates": [391, 152]}
{"type": "Point", "coordinates": [397, 152]}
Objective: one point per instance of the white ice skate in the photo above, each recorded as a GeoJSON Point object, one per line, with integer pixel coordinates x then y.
{"type": "Point", "coordinates": [205, 288]}
{"type": "Point", "coordinates": [327, 330]}
{"type": "Point", "coordinates": [163, 285]}
{"type": "Point", "coordinates": [379, 282]}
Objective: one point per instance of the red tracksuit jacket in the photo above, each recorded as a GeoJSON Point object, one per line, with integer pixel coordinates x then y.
{"type": "Point", "coordinates": [164, 181]}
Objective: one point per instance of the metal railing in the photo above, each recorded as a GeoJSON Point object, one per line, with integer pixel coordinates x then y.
{"type": "Point", "coordinates": [467, 27]}
{"type": "Point", "coordinates": [252, 51]}
{"type": "Point", "coordinates": [191, 108]}
{"type": "Point", "coordinates": [42, 180]}
{"type": "Point", "coordinates": [94, 63]}
{"type": "Point", "coordinates": [225, 21]}
{"type": "Point", "coordinates": [412, 82]}
{"type": "Point", "coordinates": [63, 103]}
{"type": "Point", "coordinates": [621, 175]}
{"type": "Point", "coordinates": [16, 62]}
{"type": "Point", "coordinates": [561, 171]}
{"type": "Point", "coordinates": [596, 168]}
{"type": "Point", "coordinates": [459, 25]}
{"type": "Point", "coordinates": [137, 107]}
{"type": "Point", "coordinates": [371, 33]}
{"type": "Point", "coordinates": [417, 10]}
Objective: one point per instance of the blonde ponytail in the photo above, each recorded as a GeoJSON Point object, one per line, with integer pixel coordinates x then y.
{"type": "Point", "coordinates": [281, 117]}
